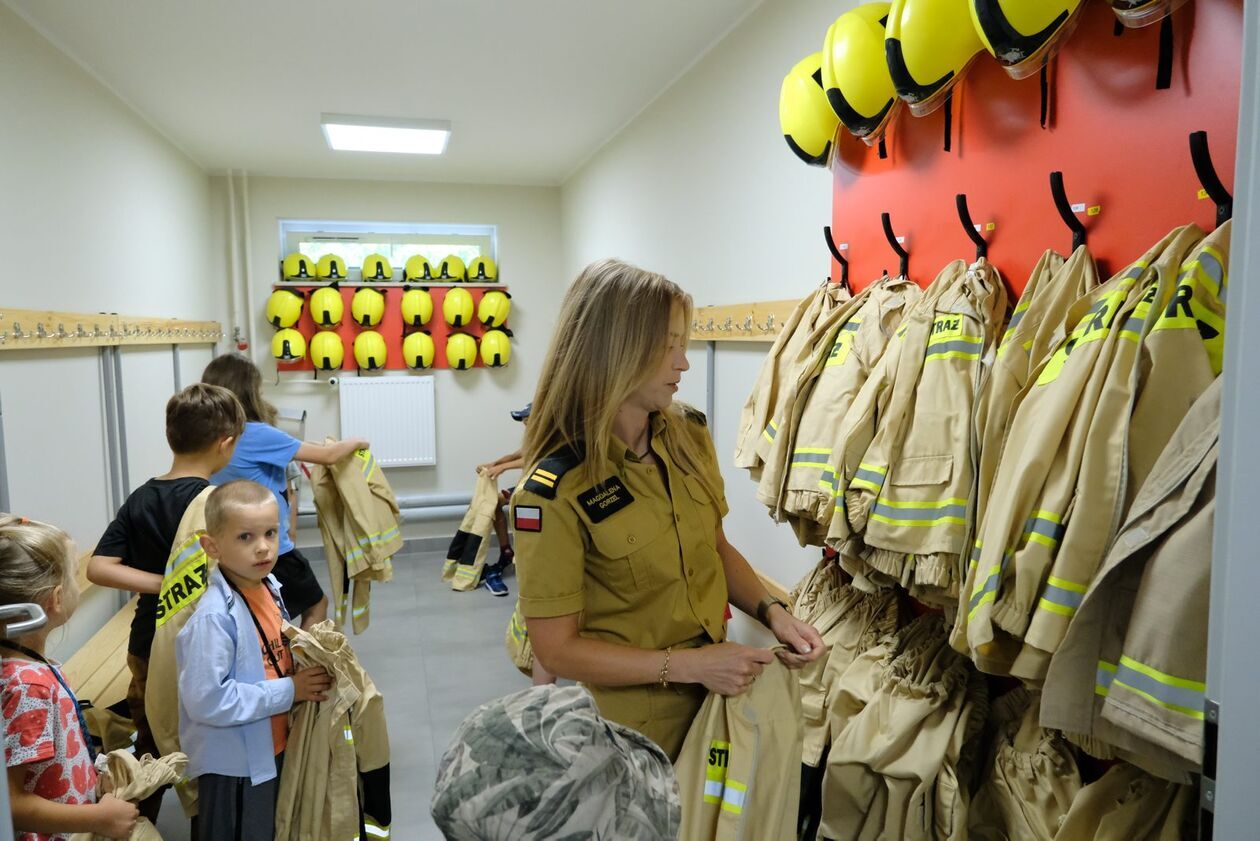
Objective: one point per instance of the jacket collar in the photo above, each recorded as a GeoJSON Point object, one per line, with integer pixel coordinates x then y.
{"type": "Point", "coordinates": [619, 451]}
{"type": "Point", "coordinates": [218, 582]}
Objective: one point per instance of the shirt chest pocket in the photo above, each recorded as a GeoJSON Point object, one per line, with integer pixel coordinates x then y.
{"type": "Point", "coordinates": [706, 513]}
{"type": "Point", "coordinates": [633, 548]}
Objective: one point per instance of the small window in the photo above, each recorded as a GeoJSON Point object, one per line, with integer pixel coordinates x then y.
{"type": "Point", "coordinates": [352, 241]}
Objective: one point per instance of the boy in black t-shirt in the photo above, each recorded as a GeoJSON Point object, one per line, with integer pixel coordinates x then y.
{"type": "Point", "coordinates": [203, 423]}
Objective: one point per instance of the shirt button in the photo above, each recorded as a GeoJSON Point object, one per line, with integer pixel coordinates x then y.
{"type": "Point", "coordinates": [677, 518]}
{"type": "Point", "coordinates": [630, 538]}
{"type": "Point", "coordinates": [691, 571]}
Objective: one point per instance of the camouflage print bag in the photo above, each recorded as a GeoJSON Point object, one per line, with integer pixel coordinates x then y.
{"type": "Point", "coordinates": [543, 764]}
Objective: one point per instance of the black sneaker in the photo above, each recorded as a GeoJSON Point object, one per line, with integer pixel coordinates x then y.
{"type": "Point", "coordinates": [493, 578]}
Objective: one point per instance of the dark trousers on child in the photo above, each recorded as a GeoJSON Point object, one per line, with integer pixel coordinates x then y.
{"type": "Point", "coordinates": [231, 809]}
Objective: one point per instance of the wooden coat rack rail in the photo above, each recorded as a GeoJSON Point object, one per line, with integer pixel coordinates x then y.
{"type": "Point", "coordinates": [51, 330]}
{"type": "Point", "coordinates": [759, 321]}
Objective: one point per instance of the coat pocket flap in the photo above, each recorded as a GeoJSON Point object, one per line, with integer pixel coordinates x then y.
{"type": "Point", "coordinates": [923, 470]}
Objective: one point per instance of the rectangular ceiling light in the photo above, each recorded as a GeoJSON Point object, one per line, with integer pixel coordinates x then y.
{"type": "Point", "coordinates": [346, 133]}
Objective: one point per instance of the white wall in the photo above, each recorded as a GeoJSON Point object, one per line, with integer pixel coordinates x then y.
{"type": "Point", "coordinates": [702, 187]}
{"type": "Point", "coordinates": [473, 425]}
{"type": "Point", "coordinates": [100, 213]}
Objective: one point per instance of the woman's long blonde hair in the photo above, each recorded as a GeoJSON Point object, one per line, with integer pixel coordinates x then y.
{"type": "Point", "coordinates": [612, 333]}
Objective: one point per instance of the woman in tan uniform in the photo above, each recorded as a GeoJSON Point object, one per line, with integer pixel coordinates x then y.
{"type": "Point", "coordinates": [624, 569]}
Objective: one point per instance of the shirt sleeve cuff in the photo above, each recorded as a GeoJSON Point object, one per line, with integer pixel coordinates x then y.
{"type": "Point", "coordinates": [552, 606]}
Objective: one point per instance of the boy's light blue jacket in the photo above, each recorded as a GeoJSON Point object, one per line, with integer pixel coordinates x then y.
{"type": "Point", "coordinates": [225, 700]}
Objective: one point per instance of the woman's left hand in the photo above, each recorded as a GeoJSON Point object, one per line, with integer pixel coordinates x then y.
{"type": "Point", "coordinates": [804, 644]}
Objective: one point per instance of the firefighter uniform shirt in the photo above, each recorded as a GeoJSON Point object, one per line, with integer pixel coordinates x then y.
{"type": "Point", "coordinates": [635, 555]}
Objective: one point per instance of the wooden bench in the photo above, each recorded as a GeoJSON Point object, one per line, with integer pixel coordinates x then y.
{"type": "Point", "coordinates": [98, 670]}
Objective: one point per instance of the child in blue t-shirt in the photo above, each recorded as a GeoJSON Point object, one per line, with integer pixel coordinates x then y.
{"type": "Point", "coordinates": [262, 454]}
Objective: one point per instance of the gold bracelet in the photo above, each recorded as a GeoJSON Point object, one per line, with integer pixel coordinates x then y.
{"type": "Point", "coordinates": [664, 675]}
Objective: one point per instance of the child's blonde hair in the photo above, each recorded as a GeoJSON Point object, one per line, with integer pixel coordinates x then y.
{"type": "Point", "coordinates": [35, 558]}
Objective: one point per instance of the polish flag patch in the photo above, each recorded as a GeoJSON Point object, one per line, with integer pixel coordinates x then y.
{"type": "Point", "coordinates": [527, 518]}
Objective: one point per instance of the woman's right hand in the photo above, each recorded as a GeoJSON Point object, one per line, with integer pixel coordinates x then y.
{"type": "Point", "coordinates": [726, 668]}
{"type": "Point", "coordinates": [117, 818]}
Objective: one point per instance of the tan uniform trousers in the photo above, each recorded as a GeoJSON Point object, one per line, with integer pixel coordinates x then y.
{"type": "Point", "coordinates": [850, 623]}
{"type": "Point", "coordinates": [1036, 480]}
{"type": "Point", "coordinates": [1128, 805]}
{"type": "Point", "coordinates": [908, 715]}
{"type": "Point", "coordinates": [330, 743]}
{"type": "Point", "coordinates": [1031, 778]}
{"type": "Point", "coordinates": [358, 521]}
{"type": "Point", "coordinates": [130, 778]}
{"type": "Point", "coordinates": [1037, 326]}
{"type": "Point", "coordinates": [1131, 673]}
{"type": "Point", "coordinates": [758, 412]}
{"type": "Point", "coordinates": [739, 769]}
{"type": "Point", "coordinates": [663, 714]}
{"type": "Point", "coordinates": [466, 556]}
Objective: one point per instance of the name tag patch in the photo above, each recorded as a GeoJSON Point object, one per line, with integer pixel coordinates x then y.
{"type": "Point", "coordinates": [527, 518]}
{"type": "Point", "coordinates": [604, 500]}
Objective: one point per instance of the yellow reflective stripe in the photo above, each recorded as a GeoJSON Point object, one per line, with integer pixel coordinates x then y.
{"type": "Point", "coordinates": [864, 484]}
{"type": "Point", "coordinates": [1064, 584]}
{"type": "Point", "coordinates": [1167, 679]}
{"type": "Point", "coordinates": [349, 734]}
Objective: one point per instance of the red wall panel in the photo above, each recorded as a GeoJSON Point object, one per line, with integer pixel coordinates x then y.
{"type": "Point", "coordinates": [1120, 143]}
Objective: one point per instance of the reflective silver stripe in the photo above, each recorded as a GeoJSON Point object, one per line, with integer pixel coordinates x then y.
{"type": "Point", "coordinates": [1133, 325]}
{"type": "Point", "coordinates": [1212, 267]}
{"type": "Point", "coordinates": [1061, 596]}
{"type": "Point", "coordinates": [852, 326]}
{"type": "Point", "coordinates": [1179, 698]}
{"type": "Point", "coordinates": [1045, 528]}
{"type": "Point", "coordinates": [966, 344]}
{"type": "Point", "coordinates": [929, 513]}
{"type": "Point", "coordinates": [871, 476]}
{"type": "Point", "coordinates": [812, 458]}
{"type": "Point", "coordinates": [713, 788]}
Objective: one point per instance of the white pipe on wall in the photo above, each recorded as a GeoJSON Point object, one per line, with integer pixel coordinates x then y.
{"type": "Point", "coordinates": [233, 263]}
{"type": "Point", "coordinates": [246, 240]}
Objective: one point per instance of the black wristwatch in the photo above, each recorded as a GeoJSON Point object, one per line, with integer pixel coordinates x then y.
{"type": "Point", "coordinates": [763, 609]}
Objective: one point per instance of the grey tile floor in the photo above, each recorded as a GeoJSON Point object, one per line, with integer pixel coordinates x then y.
{"type": "Point", "coordinates": [435, 655]}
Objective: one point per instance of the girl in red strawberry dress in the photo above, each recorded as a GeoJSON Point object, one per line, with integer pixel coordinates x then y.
{"type": "Point", "coordinates": [52, 781]}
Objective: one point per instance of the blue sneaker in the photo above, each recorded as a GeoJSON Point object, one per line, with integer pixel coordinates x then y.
{"type": "Point", "coordinates": [493, 578]}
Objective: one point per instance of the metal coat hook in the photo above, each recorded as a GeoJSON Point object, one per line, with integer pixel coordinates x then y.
{"type": "Point", "coordinates": [902, 253]}
{"type": "Point", "coordinates": [1212, 185]}
{"type": "Point", "coordinates": [1061, 203]}
{"type": "Point", "coordinates": [837, 256]}
{"type": "Point", "coordinates": [969, 227]}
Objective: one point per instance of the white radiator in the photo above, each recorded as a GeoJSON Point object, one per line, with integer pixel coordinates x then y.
{"type": "Point", "coordinates": [396, 414]}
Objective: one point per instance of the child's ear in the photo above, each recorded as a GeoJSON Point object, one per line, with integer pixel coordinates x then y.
{"type": "Point", "coordinates": [228, 445]}
{"type": "Point", "coordinates": [209, 546]}
{"type": "Point", "coordinates": [56, 601]}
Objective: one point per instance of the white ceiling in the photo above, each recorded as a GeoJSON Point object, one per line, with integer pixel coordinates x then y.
{"type": "Point", "coordinates": [532, 88]}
